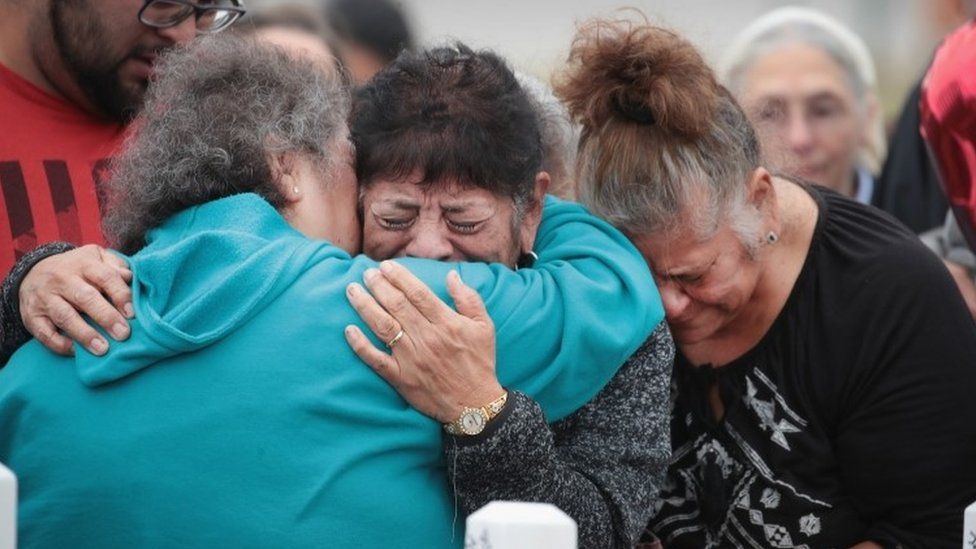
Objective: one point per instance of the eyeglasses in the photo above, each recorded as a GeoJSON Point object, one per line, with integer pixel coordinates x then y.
{"type": "Point", "coordinates": [211, 16]}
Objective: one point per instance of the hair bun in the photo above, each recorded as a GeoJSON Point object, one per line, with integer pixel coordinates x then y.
{"type": "Point", "coordinates": [638, 73]}
{"type": "Point", "coordinates": [638, 112]}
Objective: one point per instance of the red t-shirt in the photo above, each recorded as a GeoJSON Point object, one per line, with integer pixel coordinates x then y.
{"type": "Point", "coordinates": [52, 157]}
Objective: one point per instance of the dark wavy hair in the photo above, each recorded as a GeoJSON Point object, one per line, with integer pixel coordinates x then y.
{"type": "Point", "coordinates": [451, 114]}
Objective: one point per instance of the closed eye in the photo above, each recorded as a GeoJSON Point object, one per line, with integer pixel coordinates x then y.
{"type": "Point", "coordinates": [394, 223]}
{"type": "Point", "coordinates": [464, 227]}
{"type": "Point", "coordinates": [689, 279]}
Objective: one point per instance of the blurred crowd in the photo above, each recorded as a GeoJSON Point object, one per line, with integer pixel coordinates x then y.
{"type": "Point", "coordinates": [691, 306]}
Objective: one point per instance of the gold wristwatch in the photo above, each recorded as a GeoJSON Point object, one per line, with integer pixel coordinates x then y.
{"type": "Point", "coordinates": [473, 420]}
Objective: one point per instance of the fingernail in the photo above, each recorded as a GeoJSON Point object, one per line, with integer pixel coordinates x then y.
{"type": "Point", "coordinates": [129, 311]}
{"type": "Point", "coordinates": [349, 330]}
{"type": "Point", "coordinates": [352, 288]}
{"type": "Point", "coordinates": [386, 266]}
{"type": "Point", "coordinates": [454, 274]}
{"type": "Point", "coordinates": [120, 331]}
{"type": "Point", "coordinates": [371, 274]}
{"type": "Point", "coordinates": [98, 346]}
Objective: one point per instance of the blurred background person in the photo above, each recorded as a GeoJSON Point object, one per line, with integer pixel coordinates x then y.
{"type": "Point", "coordinates": [908, 187]}
{"type": "Point", "coordinates": [371, 33]}
{"type": "Point", "coordinates": [808, 85]}
{"type": "Point", "coordinates": [948, 117]}
{"type": "Point", "coordinates": [296, 27]}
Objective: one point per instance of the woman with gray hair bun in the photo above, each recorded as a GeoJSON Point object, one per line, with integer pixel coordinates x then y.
{"type": "Point", "coordinates": [823, 390]}
{"type": "Point", "coordinates": [808, 85]}
{"type": "Point", "coordinates": [235, 414]}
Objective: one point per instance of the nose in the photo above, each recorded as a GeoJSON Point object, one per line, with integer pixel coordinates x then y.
{"type": "Point", "coordinates": [675, 300]}
{"type": "Point", "coordinates": [799, 133]}
{"type": "Point", "coordinates": [181, 33]}
{"type": "Point", "coordinates": [429, 243]}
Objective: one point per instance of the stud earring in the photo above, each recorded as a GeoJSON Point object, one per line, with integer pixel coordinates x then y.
{"type": "Point", "coordinates": [771, 237]}
{"type": "Point", "coordinates": [295, 189]}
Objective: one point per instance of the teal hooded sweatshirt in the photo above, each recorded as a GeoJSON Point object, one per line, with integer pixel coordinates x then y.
{"type": "Point", "coordinates": [237, 416]}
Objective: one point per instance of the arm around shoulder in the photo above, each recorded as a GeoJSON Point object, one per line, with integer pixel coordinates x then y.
{"type": "Point", "coordinates": [13, 333]}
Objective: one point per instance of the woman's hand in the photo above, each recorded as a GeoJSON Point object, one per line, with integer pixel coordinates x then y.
{"type": "Point", "coordinates": [57, 288]}
{"type": "Point", "coordinates": [444, 360]}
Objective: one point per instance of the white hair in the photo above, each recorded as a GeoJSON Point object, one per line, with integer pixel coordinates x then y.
{"type": "Point", "coordinates": [558, 132]}
{"type": "Point", "coordinates": [792, 24]}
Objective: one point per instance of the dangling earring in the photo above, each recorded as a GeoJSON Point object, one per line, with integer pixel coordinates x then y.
{"type": "Point", "coordinates": [771, 237]}
{"type": "Point", "coordinates": [526, 260]}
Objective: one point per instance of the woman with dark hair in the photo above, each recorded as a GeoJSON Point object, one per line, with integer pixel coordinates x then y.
{"type": "Point", "coordinates": [823, 389]}
{"type": "Point", "coordinates": [449, 161]}
{"type": "Point", "coordinates": [448, 124]}
{"type": "Point", "coordinates": [234, 414]}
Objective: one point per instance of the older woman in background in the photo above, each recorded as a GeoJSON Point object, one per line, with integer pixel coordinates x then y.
{"type": "Point", "coordinates": [823, 389]}
{"type": "Point", "coordinates": [808, 85]}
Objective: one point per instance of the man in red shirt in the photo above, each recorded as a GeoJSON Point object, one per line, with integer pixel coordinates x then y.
{"type": "Point", "coordinates": [72, 74]}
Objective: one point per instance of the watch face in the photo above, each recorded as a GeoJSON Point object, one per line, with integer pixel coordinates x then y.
{"type": "Point", "coordinates": [472, 422]}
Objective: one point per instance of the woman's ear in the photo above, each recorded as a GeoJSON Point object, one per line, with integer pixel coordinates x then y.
{"type": "Point", "coordinates": [761, 188]}
{"type": "Point", "coordinates": [762, 196]}
{"type": "Point", "coordinates": [533, 216]}
{"type": "Point", "coordinates": [284, 171]}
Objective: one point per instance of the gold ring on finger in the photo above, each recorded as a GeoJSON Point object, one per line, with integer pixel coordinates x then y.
{"type": "Point", "coordinates": [395, 339]}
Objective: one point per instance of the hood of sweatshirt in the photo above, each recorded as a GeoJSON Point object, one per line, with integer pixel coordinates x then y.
{"type": "Point", "coordinates": [203, 273]}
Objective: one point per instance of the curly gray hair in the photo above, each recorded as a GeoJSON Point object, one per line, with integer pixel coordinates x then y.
{"type": "Point", "coordinates": [221, 108]}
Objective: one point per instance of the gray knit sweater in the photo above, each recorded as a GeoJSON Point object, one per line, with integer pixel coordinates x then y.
{"type": "Point", "coordinates": [603, 465]}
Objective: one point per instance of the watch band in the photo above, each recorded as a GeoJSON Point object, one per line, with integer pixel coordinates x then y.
{"type": "Point", "coordinates": [487, 412]}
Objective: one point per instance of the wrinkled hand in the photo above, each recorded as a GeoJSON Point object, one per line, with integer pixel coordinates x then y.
{"type": "Point", "coordinates": [445, 360]}
{"type": "Point", "coordinates": [58, 287]}
{"type": "Point", "coordinates": [965, 283]}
